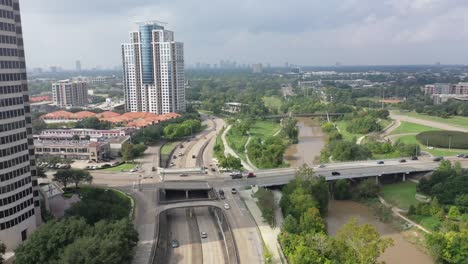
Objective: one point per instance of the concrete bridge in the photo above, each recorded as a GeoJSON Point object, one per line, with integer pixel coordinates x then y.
{"type": "Point", "coordinates": [327, 115]}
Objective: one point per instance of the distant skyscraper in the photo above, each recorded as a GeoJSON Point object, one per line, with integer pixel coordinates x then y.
{"type": "Point", "coordinates": [19, 196]}
{"type": "Point", "coordinates": [78, 66]}
{"type": "Point", "coordinates": [257, 68]}
{"type": "Point", "coordinates": [70, 94]}
{"type": "Point", "coordinates": [153, 70]}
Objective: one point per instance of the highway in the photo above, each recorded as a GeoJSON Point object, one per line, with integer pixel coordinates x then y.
{"type": "Point", "coordinates": [185, 230]}
{"type": "Point", "coordinates": [213, 247]}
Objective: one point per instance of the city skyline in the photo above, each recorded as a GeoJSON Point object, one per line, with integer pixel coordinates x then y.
{"type": "Point", "coordinates": [306, 32]}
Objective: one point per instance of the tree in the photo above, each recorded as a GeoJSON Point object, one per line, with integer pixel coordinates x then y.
{"type": "Point", "coordinates": [311, 221]}
{"type": "Point", "coordinates": [368, 188]}
{"type": "Point", "coordinates": [78, 176]}
{"type": "Point", "coordinates": [93, 123]}
{"type": "Point", "coordinates": [41, 172]}
{"type": "Point", "coordinates": [342, 190]}
{"type": "Point", "coordinates": [360, 244]}
{"type": "Point", "coordinates": [38, 125]}
{"type": "Point", "coordinates": [290, 225]}
{"type": "Point", "coordinates": [128, 154]}
{"type": "Point", "coordinates": [231, 162]}
{"type": "Point", "coordinates": [63, 177]}
{"type": "Point", "coordinates": [453, 213]}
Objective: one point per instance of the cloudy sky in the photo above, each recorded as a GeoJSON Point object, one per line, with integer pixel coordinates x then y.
{"type": "Point", "coordinates": [305, 32]}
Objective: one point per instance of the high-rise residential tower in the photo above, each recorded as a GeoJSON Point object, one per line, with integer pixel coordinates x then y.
{"type": "Point", "coordinates": [78, 66]}
{"type": "Point", "coordinates": [153, 70]}
{"type": "Point", "coordinates": [19, 196]}
{"type": "Point", "coordinates": [69, 94]}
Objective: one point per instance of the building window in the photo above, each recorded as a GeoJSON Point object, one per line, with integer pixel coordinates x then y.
{"type": "Point", "coordinates": [24, 235]}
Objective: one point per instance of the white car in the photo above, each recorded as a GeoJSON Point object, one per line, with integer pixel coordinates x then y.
{"type": "Point", "coordinates": [204, 235]}
{"type": "Point", "coordinates": [226, 206]}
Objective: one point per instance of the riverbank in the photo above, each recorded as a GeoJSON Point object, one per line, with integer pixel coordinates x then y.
{"type": "Point", "coordinates": [403, 251]}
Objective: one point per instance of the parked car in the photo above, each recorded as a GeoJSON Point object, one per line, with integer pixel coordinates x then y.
{"type": "Point", "coordinates": [335, 173]}
{"type": "Point", "coordinates": [233, 191]}
{"type": "Point", "coordinates": [402, 161]}
{"type": "Point", "coordinates": [174, 243]}
{"type": "Point", "coordinates": [380, 162]}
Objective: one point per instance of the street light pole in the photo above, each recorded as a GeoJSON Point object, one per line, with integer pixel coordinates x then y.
{"type": "Point", "coordinates": [450, 142]}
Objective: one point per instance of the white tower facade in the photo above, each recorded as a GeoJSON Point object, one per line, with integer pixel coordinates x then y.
{"type": "Point", "coordinates": [153, 70]}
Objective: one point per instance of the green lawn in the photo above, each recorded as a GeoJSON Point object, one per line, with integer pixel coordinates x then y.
{"type": "Point", "coordinates": [346, 135]}
{"type": "Point", "coordinates": [272, 102]}
{"type": "Point", "coordinates": [459, 121]}
{"type": "Point", "coordinates": [264, 128]}
{"type": "Point", "coordinates": [168, 147]}
{"type": "Point", "coordinates": [385, 123]}
{"type": "Point", "coordinates": [122, 167]}
{"type": "Point", "coordinates": [237, 142]}
{"type": "Point", "coordinates": [401, 195]}
{"type": "Point", "coordinates": [411, 139]}
{"type": "Point", "coordinates": [407, 127]}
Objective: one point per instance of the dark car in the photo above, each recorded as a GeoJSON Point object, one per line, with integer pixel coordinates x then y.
{"type": "Point", "coordinates": [236, 176]}
{"type": "Point", "coordinates": [213, 169]}
{"type": "Point", "coordinates": [221, 194]}
{"type": "Point", "coordinates": [335, 173]}
{"type": "Point", "coordinates": [438, 158]}
{"type": "Point", "coordinates": [461, 155]}
{"type": "Point", "coordinates": [414, 158]}
{"type": "Point", "coordinates": [193, 156]}
{"type": "Point", "coordinates": [174, 243]}
{"type": "Point", "coordinates": [251, 175]}
{"type": "Point", "coordinates": [233, 191]}
{"type": "Point", "coordinates": [402, 161]}
{"type": "Point", "coordinates": [380, 162]}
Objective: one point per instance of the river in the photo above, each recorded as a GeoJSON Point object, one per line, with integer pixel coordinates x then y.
{"type": "Point", "coordinates": [311, 142]}
{"type": "Point", "coordinates": [339, 212]}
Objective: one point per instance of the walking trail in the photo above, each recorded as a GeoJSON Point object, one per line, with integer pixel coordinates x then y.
{"type": "Point", "coordinates": [230, 151]}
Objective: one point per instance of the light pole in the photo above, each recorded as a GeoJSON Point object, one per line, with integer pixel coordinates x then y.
{"type": "Point", "coordinates": [450, 142]}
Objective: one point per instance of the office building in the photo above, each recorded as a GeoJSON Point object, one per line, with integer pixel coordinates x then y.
{"type": "Point", "coordinates": [461, 88]}
{"type": "Point", "coordinates": [19, 195]}
{"type": "Point", "coordinates": [69, 94]}
{"type": "Point", "coordinates": [78, 66]}
{"type": "Point", "coordinates": [257, 68]}
{"type": "Point", "coordinates": [153, 70]}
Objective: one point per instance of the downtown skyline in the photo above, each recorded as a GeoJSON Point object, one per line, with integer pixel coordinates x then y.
{"type": "Point", "coordinates": [363, 32]}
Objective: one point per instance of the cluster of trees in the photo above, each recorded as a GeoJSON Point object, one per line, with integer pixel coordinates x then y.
{"type": "Point", "coordinates": [267, 153]}
{"type": "Point", "coordinates": [447, 109]}
{"type": "Point", "coordinates": [131, 151]}
{"type": "Point", "coordinates": [340, 149]}
{"type": "Point", "coordinates": [93, 123]}
{"type": "Point", "coordinates": [400, 149]}
{"type": "Point", "coordinates": [154, 133]}
{"type": "Point", "coordinates": [72, 240]}
{"type": "Point", "coordinates": [449, 184]}
{"type": "Point", "coordinates": [365, 121]}
{"type": "Point", "coordinates": [290, 129]}
{"type": "Point", "coordinates": [303, 234]}
{"type": "Point", "coordinates": [72, 176]}
{"type": "Point", "coordinates": [230, 162]}
{"type": "Point", "coordinates": [184, 129]}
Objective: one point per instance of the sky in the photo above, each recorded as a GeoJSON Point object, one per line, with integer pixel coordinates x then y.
{"type": "Point", "coordinates": [302, 32]}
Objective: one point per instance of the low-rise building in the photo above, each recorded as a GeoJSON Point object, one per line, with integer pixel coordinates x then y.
{"type": "Point", "coordinates": [116, 144]}
{"type": "Point", "coordinates": [59, 134]}
{"type": "Point", "coordinates": [232, 107]}
{"type": "Point", "coordinates": [73, 149]}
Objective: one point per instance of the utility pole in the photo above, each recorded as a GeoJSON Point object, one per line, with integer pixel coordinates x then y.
{"type": "Point", "coordinates": [450, 142]}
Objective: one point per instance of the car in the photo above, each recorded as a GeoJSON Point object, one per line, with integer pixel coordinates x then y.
{"type": "Point", "coordinates": [153, 168]}
{"type": "Point", "coordinates": [183, 175]}
{"type": "Point", "coordinates": [172, 164]}
{"type": "Point", "coordinates": [236, 175]}
{"type": "Point", "coordinates": [461, 155]}
{"type": "Point", "coordinates": [321, 166]}
{"type": "Point", "coordinates": [181, 146]}
{"type": "Point", "coordinates": [438, 159]}
{"type": "Point", "coordinates": [213, 169]}
{"type": "Point", "coordinates": [174, 157]}
{"type": "Point", "coordinates": [193, 156]}
{"type": "Point", "coordinates": [174, 243]}
{"type": "Point", "coordinates": [133, 170]}
{"type": "Point", "coordinates": [414, 158]}
{"type": "Point", "coordinates": [251, 175]}
{"type": "Point", "coordinates": [204, 235]}
{"type": "Point", "coordinates": [335, 173]}
{"type": "Point", "coordinates": [106, 165]}
{"type": "Point", "coordinates": [180, 154]}
{"type": "Point", "coordinates": [233, 191]}
{"type": "Point", "coordinates": [380, 162]}
{"type": "Point", "coordinates": [226, 206]}
{"type": "Point", "coordinates": [402, 161]}
{"type": "Point", "coordinates": [221, 194]}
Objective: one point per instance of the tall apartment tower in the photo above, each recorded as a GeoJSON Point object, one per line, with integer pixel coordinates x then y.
{"type": "Point", "coordinates": [69, 94]}
{"type": "Point", "coordinates": [78, 66]}
{"type": "Point", "coordinates": [153, 70]}
{"type": "Point", "coordinates": [19, 196]}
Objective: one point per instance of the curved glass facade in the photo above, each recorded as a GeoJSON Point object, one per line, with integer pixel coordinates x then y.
{"type": "Point", "coordinates": [147, 52]}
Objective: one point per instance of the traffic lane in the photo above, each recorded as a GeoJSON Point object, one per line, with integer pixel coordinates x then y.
{"type": "Point", "coordinates": [247, 238]}
{"type": "Point", "coordinates": [179, 230]}
{"type": "Point", "coordinates": [213, 246]}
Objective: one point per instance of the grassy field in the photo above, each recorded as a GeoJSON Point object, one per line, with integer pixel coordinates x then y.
{"type": "Point", "coordinates": [264, 128]}
{"type": "Point", "coordinates": [237, 142]}
{"type": "Point", "coordinates": [168, 147]}
{"type": "Point", "coordinates": [272, 102]}
{"type": "Point", "coordinates": [444, 139]}
{"type": "Point", "coordinates": [346, 135]}
{"type": "Point", "coordinates": [411, 139]}
{"type": "Point", "coordinates": [407, 127]}
{"type": "Point", "coordinates": [459, 121]}
{"type": "Point", "coordinates": [122, 167]}
{"type": "Point", "coordinates": [401, 195]}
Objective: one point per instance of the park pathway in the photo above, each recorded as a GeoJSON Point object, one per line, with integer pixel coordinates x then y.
{"type": "Point", "coordinates": [229, 151]}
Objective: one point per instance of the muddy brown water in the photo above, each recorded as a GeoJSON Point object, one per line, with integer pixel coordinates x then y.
{"type": "Point", "coordinates": [311, 142]}
{"type": "Point", "coordinates": [340, 212]}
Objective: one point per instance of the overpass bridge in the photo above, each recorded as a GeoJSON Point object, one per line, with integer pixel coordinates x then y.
{"type": "Point", "coordinates": [327, 115]}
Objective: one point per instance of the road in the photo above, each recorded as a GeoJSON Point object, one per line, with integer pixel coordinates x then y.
{"type": "Point", "coordinates": [213, 247]}
{"type": "Point", "coordinates": [249, 244]}
{"type": "Point", "coordinates": [429, 123]}
{"type": "Point", "coordinates": [182, 228]}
